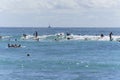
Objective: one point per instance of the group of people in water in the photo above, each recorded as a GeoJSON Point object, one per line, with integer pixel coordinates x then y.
{"type": "Point", "coordinates": [14, 45]}
{"type": "Point", "coordinates": [35, 34]}
{"type": "Point", "coordinates": [67, 36]}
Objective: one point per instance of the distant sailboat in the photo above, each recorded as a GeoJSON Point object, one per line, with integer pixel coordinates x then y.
{"type": "Point", "coordinates": [49, 26]}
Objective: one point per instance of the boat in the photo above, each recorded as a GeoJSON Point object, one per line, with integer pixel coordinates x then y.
{"type": "Point", "coordinates": [49, 26]}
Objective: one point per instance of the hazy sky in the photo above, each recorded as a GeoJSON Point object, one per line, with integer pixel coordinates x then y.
{"type": "Point", "coordinates": [60, 13]}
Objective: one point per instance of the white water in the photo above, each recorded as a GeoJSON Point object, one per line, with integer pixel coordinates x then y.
{"type": "Point", "coordinates": [62, 36]}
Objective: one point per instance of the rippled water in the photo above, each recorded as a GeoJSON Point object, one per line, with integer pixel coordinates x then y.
{"type": "Point", "coordinates": [59, 60]}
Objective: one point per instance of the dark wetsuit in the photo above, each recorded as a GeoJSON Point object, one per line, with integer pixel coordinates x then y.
{"type": "Point", "coordinates": [110, 35]}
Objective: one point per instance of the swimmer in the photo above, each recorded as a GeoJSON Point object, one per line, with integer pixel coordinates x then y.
{"type": "Point", "coordinates": [56, 39]}
{"type": "Point", "coordinates": [101, 35]}
{"type": "Point", "coordinates": [15, 39]}
{"type": "Point", "coordinates": [68, 38]}
{"type": "Point", "coordinates": [9, 45]}
{"type": "Point", "coordinates": [28, 54]}
{"type": "Point", "coordinates": [68, 34]}
{"type": "Point", "coordinates": [24, 35]}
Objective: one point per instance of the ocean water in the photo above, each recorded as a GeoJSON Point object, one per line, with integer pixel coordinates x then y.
{"type": "Point", "coordinates": [60, 59]}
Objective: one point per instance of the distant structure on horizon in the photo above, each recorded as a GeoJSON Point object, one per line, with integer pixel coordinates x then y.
{"type": "Point", "coordinates": [49, 26]}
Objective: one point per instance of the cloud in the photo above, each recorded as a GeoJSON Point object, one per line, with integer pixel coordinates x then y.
{"type": "Point", "coordinates": [59, 12]}
{"type": "Point", "coordinates": [37, 5]}
{"type": "Point", "coordinates": [99, 3]}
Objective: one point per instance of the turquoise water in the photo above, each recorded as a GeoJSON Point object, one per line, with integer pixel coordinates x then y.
{"type": "Point", "coordinates": [59, 60]}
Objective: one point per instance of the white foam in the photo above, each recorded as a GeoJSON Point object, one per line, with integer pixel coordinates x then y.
{"type": "Point", "coordinates": [62, 36]}
{"type": "Point", "coordinates": [95, 38]}
{"type": "Point", "coordinates": [27, 37]}
{"type": "Point", "coordinates": [5, 37]}
{"type": "Point", "coordinates": [23, 46]}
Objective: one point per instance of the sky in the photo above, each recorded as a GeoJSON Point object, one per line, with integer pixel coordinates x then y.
{"type": "Point", "coordinates": [60, 13]}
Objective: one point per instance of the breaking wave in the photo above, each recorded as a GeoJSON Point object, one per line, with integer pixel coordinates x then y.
{"type": "Point", "coordinates": [62, 36]}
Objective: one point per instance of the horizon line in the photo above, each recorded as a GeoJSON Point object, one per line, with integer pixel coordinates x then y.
{"type": "Point", "coordinates": [55, 27]}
